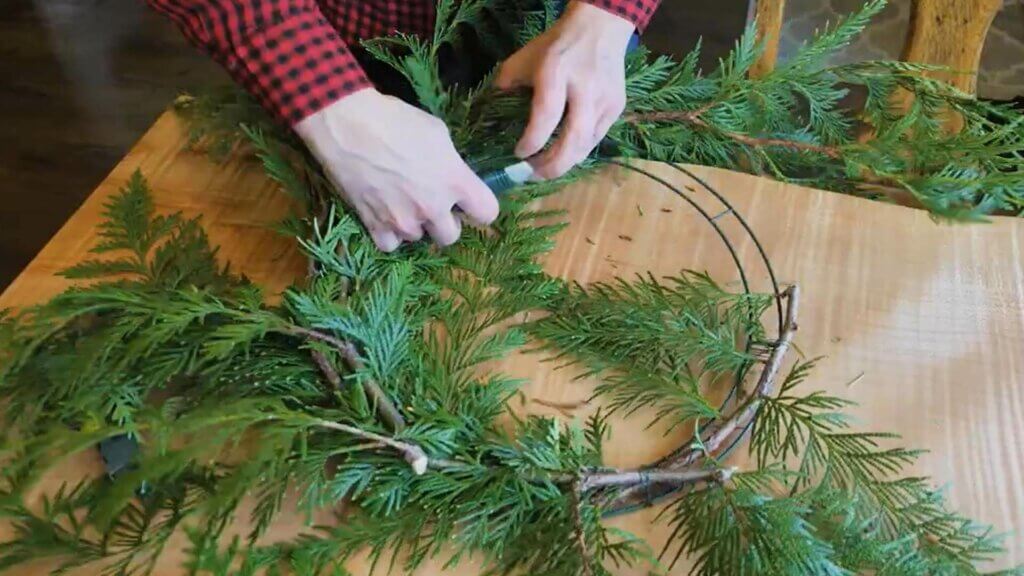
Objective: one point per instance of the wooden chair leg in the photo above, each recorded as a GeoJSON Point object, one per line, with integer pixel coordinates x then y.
{"type": "Point", "coordinates": [950, 33]}
{"type": "Point", "coordinates": [769, 28]}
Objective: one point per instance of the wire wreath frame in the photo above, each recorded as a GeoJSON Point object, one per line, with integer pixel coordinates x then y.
{"type": "Point", "coordinates": [655, 492]}
{"type": "Point", "coordinates": [618, 490]}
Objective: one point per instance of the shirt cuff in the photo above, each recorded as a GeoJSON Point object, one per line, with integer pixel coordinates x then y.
{"type": "Point", "coordinates": [638, 12]}
{"type": "Point", "coordinates": [296, 65]}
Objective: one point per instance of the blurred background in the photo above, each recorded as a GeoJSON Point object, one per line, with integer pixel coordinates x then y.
{"type": "Point", "coordinates": [81, 80]}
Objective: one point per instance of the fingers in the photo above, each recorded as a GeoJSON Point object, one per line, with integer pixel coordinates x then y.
{"type": "Point", "coordinates": [509, 76]}
{"type": "Point", "coordinates": [547, 107]}
{"type": "Point", "coordinates": [386, 240]}
{"type": "Point", "coordinates": [475, 199]}
{"type": "Point", "coordinates": [612, 111]}
{"type": "Point", "coordinates": [389, 225]}
{"type": "Point", "coordinates": [587, 122]}
{"type": "Point", "coordinates": [444, 229]}
{"type": "Point", "coordinates": [406, 223]}
{"type": "Point", "coordinates": [383, 236]}
{"type": "Point", "coordinates": [577, 140]}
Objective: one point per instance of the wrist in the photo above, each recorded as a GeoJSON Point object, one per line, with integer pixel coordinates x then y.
{"type": "Point", "coordinates": [637, 12]}
{"type": "Point", "coordinates": [340, 118]}
{"type": "Point", "coordinates": [608, 25]}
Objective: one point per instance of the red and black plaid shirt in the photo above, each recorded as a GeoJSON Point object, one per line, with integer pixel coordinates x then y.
{"type": "Point", "coordinates": [292, 54]}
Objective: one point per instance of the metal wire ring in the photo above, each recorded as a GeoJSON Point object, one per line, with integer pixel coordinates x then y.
{"type": "Point", "coordinates": [656, 495]}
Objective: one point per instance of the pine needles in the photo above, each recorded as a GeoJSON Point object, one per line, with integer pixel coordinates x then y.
{"type": "Point", "coordinates": [369, 382]}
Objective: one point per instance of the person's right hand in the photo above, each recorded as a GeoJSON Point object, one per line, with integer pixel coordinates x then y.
{"type": "Point", "coordinates": [397, 166]}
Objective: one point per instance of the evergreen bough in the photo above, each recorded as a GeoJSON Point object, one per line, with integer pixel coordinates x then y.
{"type": "Point", "coordinates": [366, 382]}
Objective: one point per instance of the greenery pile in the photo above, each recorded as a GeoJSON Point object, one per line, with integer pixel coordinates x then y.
{"type": "Point", "coordinates": [368, 382]}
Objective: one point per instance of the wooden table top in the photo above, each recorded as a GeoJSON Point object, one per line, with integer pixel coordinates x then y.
{"type": "Point", "coordinates": [921, 323]}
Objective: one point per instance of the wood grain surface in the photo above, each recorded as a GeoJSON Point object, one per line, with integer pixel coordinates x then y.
{"type": "Point", "coordinates": [921, 323]}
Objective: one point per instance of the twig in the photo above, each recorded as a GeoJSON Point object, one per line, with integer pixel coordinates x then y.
{"type": "Point", "coordinates": [644, 477]}
{"type": "Point", "coordinates": [560, 405]}
{"type": "Point", "coordinates": [590, 480]}
{"type": "Point", "coordinates": [855, 380]}
{"type": "Point", "coordinates": [412, 453]}
{"type": "Point", "coordinates": [765, 384]}
{"type": "Point", "coordinates": [348, 352]}
{"type": "Point", "coordinates": [323, 363]}
{"type": "Point", "coordinates": [577, 526]}
{"type": "Point", "coordinates": [326, 368]}
{"type": "Point", "coordinates": [791, 144]}
{"type": "Point", "coordinates": [564, 408]}
{"type": "Point", "coordinates": [669, 115]}
{"type": "Point", "coordinates": [694, 117]}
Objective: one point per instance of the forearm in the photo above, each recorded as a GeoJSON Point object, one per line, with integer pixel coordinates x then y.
{"type": "Point", "coordinates": [283, 52]}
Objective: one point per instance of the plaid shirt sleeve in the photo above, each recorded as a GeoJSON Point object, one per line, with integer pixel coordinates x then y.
{"type": "Point", "coordinates": [284, 52]}
{"type": "Point", "coordinates": [638, 12]}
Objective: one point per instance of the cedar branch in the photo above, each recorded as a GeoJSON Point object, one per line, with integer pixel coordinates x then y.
{"type": "Point", "coordinates": [678, 472]}
{"type": "Point", "coordinates": [348, 352]}
{"type": "Point", "coordinates": [739, 419]}
{"type": "Point", "coordinates": [412, 453]}
{"type": "Point", "coordinates": [694, 117]}
{"type": "Point", "coordinates": [763, 389]}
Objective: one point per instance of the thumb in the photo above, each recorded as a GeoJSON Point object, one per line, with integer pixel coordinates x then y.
{"type": "Point", "coordinates": [475, 199]}
{"type": "Point", "coordinates": [509, 75]}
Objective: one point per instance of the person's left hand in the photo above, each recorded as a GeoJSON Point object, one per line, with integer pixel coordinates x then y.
{"type": "Point", "coordinates": [580, 61]}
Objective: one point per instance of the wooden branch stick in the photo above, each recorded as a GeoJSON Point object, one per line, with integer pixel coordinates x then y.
{"type": "Point", "coordinates": [326, 369]}
{"type": "Point", "coordinates": [654, 476]}
{"type": "Point", "coordinates": [739, 419]}
{"type": "Point", "coordinates": [576, 502]}
{"type": "Point", "coordinates": [414, 454]}
{"type": "Point", "coordinates": [420, 462]}
{"type": "Point", "coordinates": [765, 385]}
{"type": "Point", "coordinates": [385, 407]}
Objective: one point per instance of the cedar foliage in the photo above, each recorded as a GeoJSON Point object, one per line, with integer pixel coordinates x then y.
{"type": "Point", "coordinates": [161, 342]}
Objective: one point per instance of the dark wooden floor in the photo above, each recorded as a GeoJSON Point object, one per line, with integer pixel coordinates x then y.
{"type": "Point", "coordinates": [80, 80]}
{"type": "Point", "coordinates": [79, 83]}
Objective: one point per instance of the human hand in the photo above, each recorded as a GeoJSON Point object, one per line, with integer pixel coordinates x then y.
{"type": "Point", "coordinates": [397, 166]}
{"type": "Point", "coordinates": [579, 61]}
